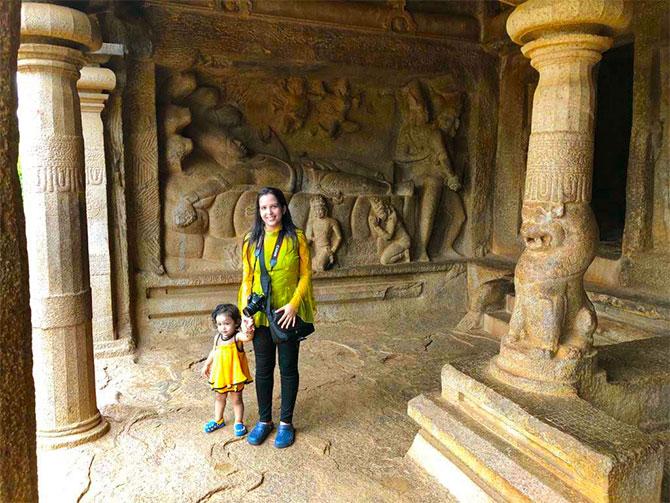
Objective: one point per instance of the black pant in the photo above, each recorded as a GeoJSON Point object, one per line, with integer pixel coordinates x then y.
{"type": "Point", "coordinates": [266, 356]}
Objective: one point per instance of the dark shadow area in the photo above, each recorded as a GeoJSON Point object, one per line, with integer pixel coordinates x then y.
{"type": "Point", "coordinates": [614, 113]}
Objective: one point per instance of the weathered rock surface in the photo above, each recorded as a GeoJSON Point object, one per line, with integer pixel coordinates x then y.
{"type": "Point", "coordinates": [351, 421]}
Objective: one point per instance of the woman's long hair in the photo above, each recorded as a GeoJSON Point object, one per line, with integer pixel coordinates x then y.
{"type": "Point", "coordinates": [257, 232]}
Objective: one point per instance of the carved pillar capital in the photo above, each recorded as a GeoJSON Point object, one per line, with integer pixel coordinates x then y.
{"type": "Point", "coordinates": [534, 19]}
{"type": "Point", "coordinates": [59, 26]}
{"type": "Point", "coordinates": [93, 86]}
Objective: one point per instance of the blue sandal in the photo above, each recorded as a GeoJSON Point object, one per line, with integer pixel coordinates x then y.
{"type": "Point", "coordinates": [259, 433]}
{"type": "Point", "coordinates": [285, 436]}
{"type": "Point", "coordinates": [239, 429]}
{"type": "Point", "coordinates": [212, 425]}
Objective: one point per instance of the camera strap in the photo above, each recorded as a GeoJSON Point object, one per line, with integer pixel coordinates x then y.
{"type": "Point", "coordinates": [266, 284]}
{"type": "Point", "coordinates": [259, 252]}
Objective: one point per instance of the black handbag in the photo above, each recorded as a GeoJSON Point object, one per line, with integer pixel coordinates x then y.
{"type": "Point", "coordinates": [301, 329]}
{"type": "Point", "coordinates": [297, 332]}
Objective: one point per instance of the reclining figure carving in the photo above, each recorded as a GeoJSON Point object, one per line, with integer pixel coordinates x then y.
{"type": "Point", "coordinates": [210, 192]}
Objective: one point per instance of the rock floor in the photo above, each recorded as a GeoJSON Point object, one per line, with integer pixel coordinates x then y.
{"type": "Point", "coordinates": [352, 427]}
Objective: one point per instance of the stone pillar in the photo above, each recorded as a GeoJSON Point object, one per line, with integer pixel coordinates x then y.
{"type": "Point", "coordinates": [549, 344]}
{"type": "Point", "coordinates": [93, 83]}
{"type": "Point", "coordinates": [53, 39]}
{"type": "Point", "coordinates": [18, 461]}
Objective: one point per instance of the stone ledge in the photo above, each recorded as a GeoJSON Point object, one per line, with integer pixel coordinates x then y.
{"type": "Point", "coordinates": [196, 300]}
{"type": "Point", "coordinates": [233, 277]}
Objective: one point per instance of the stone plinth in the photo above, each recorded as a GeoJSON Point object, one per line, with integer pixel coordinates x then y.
{"type": "Point", "coordinates": [93, 86]}
{"type": "Point", "coordinates": [52, 159]}
{"type": "Point", "coordinates": [486, 441]}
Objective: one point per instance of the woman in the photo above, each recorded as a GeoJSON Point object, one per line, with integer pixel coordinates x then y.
{"type": "Point", "coordinates": [290, 272]}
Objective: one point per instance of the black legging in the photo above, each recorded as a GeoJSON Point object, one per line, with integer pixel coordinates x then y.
{"type": "Point", "coordinates": [266, 356]}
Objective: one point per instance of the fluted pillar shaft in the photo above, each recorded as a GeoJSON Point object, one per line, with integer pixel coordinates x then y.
{"type": "Point", "coordinates": [550, 341]}
{"type": "Point", "coordinates": [52, 160]}
{"type": "Point", "coordinates": [91, 85]}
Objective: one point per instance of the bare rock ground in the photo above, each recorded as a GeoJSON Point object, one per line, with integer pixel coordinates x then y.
{"type": "Point", "coordinates": [351, 422]}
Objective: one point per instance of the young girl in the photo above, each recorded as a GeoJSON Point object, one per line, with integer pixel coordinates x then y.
{"type": "Point", "coordinates": [226, 366]}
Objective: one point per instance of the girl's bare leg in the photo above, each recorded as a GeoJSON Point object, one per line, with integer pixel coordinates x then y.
{"type": "Point", "coordinates": [238, 405]}
{"type": "Point", "coordinates": [219, 406]}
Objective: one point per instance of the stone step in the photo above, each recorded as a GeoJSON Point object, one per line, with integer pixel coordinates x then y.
{"type": "Point", "coordinates": [474, 464]}
{"type": "Point", "coordinates": [585, 448]}
{"type": "Point", "coordinates": [496, 323]}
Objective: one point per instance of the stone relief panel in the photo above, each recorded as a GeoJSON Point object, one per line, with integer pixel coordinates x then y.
{"type": "Point", "coordinates": [366, 167]}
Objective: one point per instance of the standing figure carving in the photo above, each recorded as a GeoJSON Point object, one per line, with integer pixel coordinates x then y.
{"type": "Point", "coordinates": [393, 241]}
{"type": "Point", "coordinates": [421, 153]}
{"type": "Point", "coordinates": [324, 232]}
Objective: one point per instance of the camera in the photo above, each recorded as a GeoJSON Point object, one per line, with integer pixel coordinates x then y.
{"type": "Point", "coordinates": [255, 304]}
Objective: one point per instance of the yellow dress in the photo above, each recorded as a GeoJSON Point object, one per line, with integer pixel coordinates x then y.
{"type": "Point", "coordinates": [291, 278]}
{"type": "Point", "coordinates": [230, 369]}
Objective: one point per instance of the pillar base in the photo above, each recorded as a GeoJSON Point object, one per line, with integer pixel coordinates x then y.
{"type": "Point", "coordinates": [59, 440]}
{"type": "Point", "coordinates": [558, 376]}
{"type": "Point", "coordinates": [485, 441]}
{"type": "Point", "coordinates": [110, 349]}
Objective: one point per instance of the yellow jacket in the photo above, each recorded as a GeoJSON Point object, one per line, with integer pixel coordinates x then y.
{"type": "Point", "coordinates": [291, 278]}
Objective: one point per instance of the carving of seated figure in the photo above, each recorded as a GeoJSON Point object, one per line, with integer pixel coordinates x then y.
{"type": "Point", "coordinates": [324, 232]}
{"type": "Point", "coordinates": [393, 242]}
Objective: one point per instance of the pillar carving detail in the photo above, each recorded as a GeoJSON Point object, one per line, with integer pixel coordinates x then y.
{"type": "Point", "coordinates": [549, 345]}
{"type": "Point", "coordinates": [93, 86]}
{"type": "Point", "coordinates": [52, 158]}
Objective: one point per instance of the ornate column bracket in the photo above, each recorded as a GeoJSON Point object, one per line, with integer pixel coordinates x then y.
{"type": "Point", "coordinates": [549, 344]}
{"type": "Point", "coordinates": [53, 39]}
{"type": "Point", "coordinates": [93, 86]}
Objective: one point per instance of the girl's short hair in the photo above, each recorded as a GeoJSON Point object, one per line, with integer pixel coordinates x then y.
{"type": "Point", "coordinates": [227, 310]}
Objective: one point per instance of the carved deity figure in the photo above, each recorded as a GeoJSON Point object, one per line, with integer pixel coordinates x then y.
{"type": "Point", "coordinates": [422, 153]}
{"type": "Point", "coordinates": [290, 105]}
{"type": "Point", "coordinates": [324, 232]}
{"type": "Point", "coordinates": [393, 241]}
{"type": "Point", "coordinates": [333, 103]}
{"type": "Point", "coordinates": [552, 309]}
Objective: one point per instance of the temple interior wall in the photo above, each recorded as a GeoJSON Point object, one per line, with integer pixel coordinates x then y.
{"type": "Point", "coordinates": [243, 101]}
{"type": "Point", "coordinates": [353, 115]}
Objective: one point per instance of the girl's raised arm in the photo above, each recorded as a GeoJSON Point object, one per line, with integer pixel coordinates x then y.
{"type": "Point", "coordinates": [247, 275]}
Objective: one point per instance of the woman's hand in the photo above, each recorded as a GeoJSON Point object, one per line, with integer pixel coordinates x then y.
{"type": "Point", "coordinates": [287, 319]}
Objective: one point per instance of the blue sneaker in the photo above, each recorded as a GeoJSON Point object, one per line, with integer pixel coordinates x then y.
{"type": "Point", "coordinates": [285, 436]}
{"type": "Point", "coordinates": [239, 429]}
{"type": "Point", "coordinates": [259, 433]}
